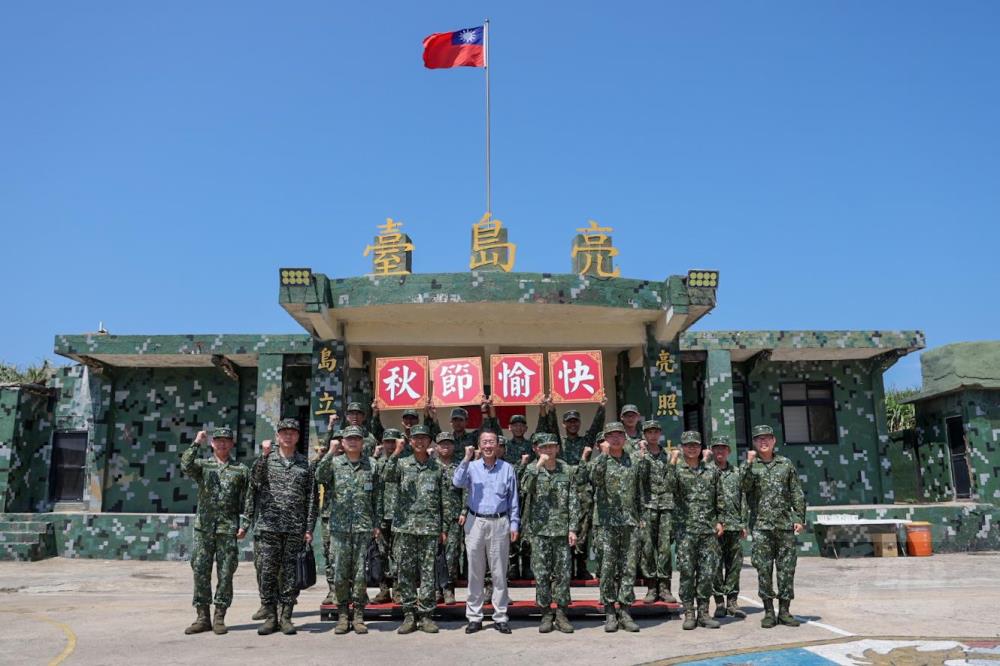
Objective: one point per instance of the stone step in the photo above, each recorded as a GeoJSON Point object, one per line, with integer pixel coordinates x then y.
{"type": "Point", "coordinates": [23, 552]}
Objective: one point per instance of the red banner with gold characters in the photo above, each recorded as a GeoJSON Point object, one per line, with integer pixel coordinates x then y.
{"type": "Point", "coordinates": [457, 381]}
{"type": "Point", "coordinates": [576, 376]}
{"type": "Point", "coordinates": [401, 382]}
{"type": "Point", "coordinates": [517, 379]}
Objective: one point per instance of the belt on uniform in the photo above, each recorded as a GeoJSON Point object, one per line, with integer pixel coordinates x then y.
{"type": "Point", "coordinates": [488, 515]}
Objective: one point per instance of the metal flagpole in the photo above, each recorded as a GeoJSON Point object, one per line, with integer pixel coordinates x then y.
{"type": "Point", "coordinates": [486, 66]}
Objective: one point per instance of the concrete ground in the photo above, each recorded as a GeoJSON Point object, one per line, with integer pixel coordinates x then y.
{"type": "Point", "coordinates": [115, 612]}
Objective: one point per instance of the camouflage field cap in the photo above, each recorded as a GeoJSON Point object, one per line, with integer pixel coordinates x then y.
{"type": "Point", "coordinates": [571, 414]}
{"type": "Point", "coordinates": [614, 426]}
{"type": "Point", "coordinates": [459, 413]}
{"type": "Point", "coordinates": [391, 433]}
{"type": "Point", "coordinates": [546, 438]}
{"type": "Point", "coordinates": [759, 430]}
{"type": "Point", "coordinates": [629, 408]}
{"type": "Point", "coordinates": [411, 412]}
{"type": "Point", "coordinates": [444, 436]}
{"type": "Point", "coordinates": [287, 424]}
{"type": "Point", "coordinates": [519, 418]}
{"type": "Point", "coordinates": [420, 430]}
{"type": "Point", "coordinates": [337, 434]}
{"type": "Point", "coordinates": [353, 431]}
{"type": "Point", "coordinates": [502, 441]}
{"type": "Point", "coordinates": [355, 407]}
{"type": "Point", "coordinates": [720, 441]}
{"type": "Point", "coordinates": [690, 437]}
{"type": "Point", "coordinates": [222, 433]}
{"type": "Point", "coordinates": [651, 425]}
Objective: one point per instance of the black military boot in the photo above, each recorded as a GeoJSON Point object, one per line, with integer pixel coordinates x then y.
{"type": "Point", "coordinates": [704, 619]}
{"type": "Point", "coordinates": [562, 622]}
{"type": "Point", "coordinates": [285, 620]}
{"type": "Point", "coordinates": [720, 607]}
{"type": "Point", "coordinates": [359, 620]}
{"type": "Point", "coordinates": [626, 622]}
{"type": "Point", "coordinates": [651, 591]}
{"type": "Point", "coordinates": [270, 622]}
{"type": "Point", "coordinates": [768, 621]}
{"type": "Point", "coordinates": [548, 618]}
{"type": "Point", "coordinates": [784, 615]}
{"type": "Point", "coordinates": [343, 621]}
{"type": "Point", "coordinates": [690, 621]}
{"type": "Point", "coordinates": [733, 609]}
{"type": "Point", "coordinates": [610, 619]}
{"type": "Point", "coordinates": [219, 621]}
{"type": "Point", "coordinates": [582, 572]}
{"type": "Point", "coordinates": [261, 613]}
{"type": "Point", "coordinates": [664, 593]}
{"type": "Point", "coordinates": [201, 622]}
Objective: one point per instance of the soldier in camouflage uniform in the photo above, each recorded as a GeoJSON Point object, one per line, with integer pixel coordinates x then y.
{"type": "Point", "coordinates": [777, 513]}
{"type": "Point", "coordinates": [514, 448]}
{"type": "Point", "coordinates": [551, 517]}
{"type": "Point", "coordinates": [355, 414]}
{"type": "Point", "coordinates": [632, 420]}
{"type": "Point", "coordinates": [658, 518]}
{"type": "Point", "coordinates": [222, 487]}
{"type": "Point", "coordinates": [350, 485]}
{"type": "Point", "coordinates": [575, 449]}
{"type": "Point", "coordinates": [283, 495]}
{"type": "Point", "coordinates": [452, 504]}
{"type": "Point", "coordinates": [617, 501]}
{"type": "Point", "coordinates": [734, 523]}
{"type": "Point", "coordinates": [695, 485]}
{"type": "Point", "coordinates": [323, 449]}
{"type": "Point", "coordinates": [418, 523]}
{"type": "Point", "coordinates": [392, 440]}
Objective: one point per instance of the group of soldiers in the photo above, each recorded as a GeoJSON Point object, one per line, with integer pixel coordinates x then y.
{"type": "Point", "coordinates": [614, 492]}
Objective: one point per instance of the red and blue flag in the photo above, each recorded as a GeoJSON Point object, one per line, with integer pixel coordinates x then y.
{"type": "Point", "coordinates": [461, 48]}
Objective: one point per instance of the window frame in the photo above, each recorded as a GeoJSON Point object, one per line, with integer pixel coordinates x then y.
{"type": "Point", "coordinates": [808, 402]}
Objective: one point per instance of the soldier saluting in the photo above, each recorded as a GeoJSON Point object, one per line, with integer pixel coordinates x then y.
{"type": "Point", "coordinates": [282, 494]}
{"type": "Point", "coordinates": [777, 513]}
{"type": "Point", "coordinates": [222, 487]}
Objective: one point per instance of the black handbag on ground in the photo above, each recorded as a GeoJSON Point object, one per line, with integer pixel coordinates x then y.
{"type": "Point", "coordinates": [305, 568]}
{"type": "Point", "coordinates": [441, 577]}
{"type": "Point", "coordinates": [374, 565]}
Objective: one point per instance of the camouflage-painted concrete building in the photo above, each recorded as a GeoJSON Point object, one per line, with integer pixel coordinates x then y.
{"type": "Point", "coordinates": [90, 466]}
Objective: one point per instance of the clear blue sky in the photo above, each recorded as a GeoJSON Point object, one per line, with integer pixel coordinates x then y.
{"type": "Point", "coordinates": [838, 162]}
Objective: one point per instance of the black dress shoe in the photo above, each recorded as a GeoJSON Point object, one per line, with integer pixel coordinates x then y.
{"type": "Point", "coordinates": [502, 627]}
{"type": "Point", "coordinates": [473, 627]}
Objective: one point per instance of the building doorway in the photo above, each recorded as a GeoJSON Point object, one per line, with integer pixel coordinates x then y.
{"type": "Point", "coordinates": [68, 471]}
{"type": "Point", "coordinates": [958, 449]}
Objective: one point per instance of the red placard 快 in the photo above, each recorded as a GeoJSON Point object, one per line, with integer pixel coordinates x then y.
{"type": "Point", "coordinates": [457, 381]}
{"type": "Point", "coordinates": [517, 379]}
{"type": "Point", "coordinates": [401, 382]}
{"type": "Point", "coordinates": [576, 376]}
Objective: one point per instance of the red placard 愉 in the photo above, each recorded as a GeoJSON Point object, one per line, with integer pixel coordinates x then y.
{"type": "Point", "coordinates": [457, 381]}
{"type": "Point", "coordinates": [576, 376]}
{"type": "Point", "coordinates": [401, 382]}
{"type": "Point", "coordinates": [517, 379]}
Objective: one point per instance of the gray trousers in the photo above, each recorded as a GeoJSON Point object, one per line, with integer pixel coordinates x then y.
{"type": "Point", "coordinates": [487, 540]}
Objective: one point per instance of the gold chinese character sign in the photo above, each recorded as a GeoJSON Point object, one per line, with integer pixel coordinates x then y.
{"type": "Point", "coordinates": [392, 251]}
{"type": "Point", "coordinates": [593, 252]}
{"type": "Point", "coordinates": [490, 249]}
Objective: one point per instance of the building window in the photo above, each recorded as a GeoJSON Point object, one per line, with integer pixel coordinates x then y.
{"type": "Point", "coordinates": [807, 413]}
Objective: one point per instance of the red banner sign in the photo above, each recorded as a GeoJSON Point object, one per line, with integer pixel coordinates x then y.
{"type": "Point", "coordinates": [576, 376]}
{"type": "Point", "coordinates": [401, 382]}
{"type": "Point", "coordinates": [457, 381]}
{"type": "Point", "coordinates": [517, 379]}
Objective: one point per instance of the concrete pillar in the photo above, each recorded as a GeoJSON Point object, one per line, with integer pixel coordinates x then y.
{"type": "Point", "coordinates": [666, 403]}
{"type": "Point", "coordinates": [719, 398]}
{"type": "Point", "coordinates": [270, 368]}
{"type": "Point", "coordinates": [326, 387]}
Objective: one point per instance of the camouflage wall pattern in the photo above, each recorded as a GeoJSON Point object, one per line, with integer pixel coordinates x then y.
{"type": "Point", "coordinates": [665, 390]}
{"type": "Point", "coordinates": [25, 447]}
